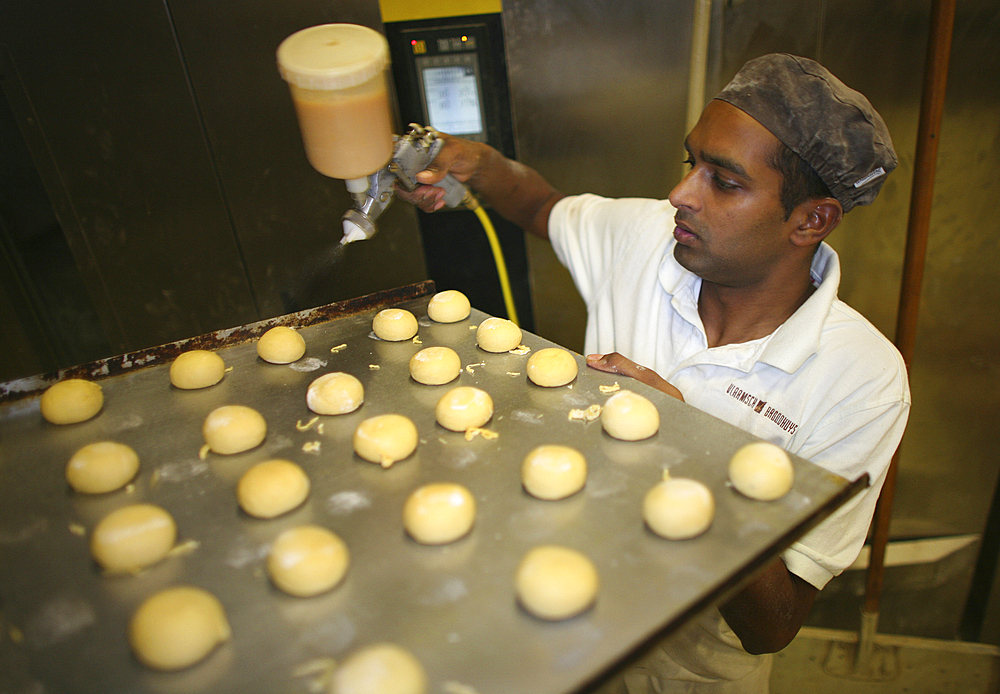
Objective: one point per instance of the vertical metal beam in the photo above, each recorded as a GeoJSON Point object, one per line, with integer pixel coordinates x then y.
{"type": "Point", "coordinates": [921, 203]}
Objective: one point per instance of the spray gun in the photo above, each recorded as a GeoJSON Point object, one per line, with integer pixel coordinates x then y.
{"type": "Point", "coordinates": [411, 154]}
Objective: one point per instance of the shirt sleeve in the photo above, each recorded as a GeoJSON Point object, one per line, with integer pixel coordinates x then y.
{"type": "Point", "coordinates": [862, 441]}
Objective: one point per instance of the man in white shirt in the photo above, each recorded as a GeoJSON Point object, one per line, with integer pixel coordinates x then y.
{"type": "Point", "coordinates": [725, 296]}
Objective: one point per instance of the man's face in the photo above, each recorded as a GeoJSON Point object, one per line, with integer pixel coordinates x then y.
{"type": "Point", "coordinates": [731, 228]}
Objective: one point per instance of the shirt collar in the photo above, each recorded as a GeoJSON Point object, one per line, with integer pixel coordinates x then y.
{"type": "Point", "coordinates": [795, 340]}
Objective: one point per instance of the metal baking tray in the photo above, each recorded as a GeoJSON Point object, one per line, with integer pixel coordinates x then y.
{"type": "Point", "coordinates": [453, 606]}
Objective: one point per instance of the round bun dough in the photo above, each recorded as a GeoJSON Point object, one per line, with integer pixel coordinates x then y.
{"type": "Point", "coordinates": [335, 393]}
{"type": "Point", "coordinates": [132, 538]}
{"type": "Point", "coordinates": [551, 367]}
{"type": "Point", "coordinates": [381, 668]}
{"type": "Point", "coordinates": [281, 345]}
{"type": "Point", "coordinates": [71, 401]}
{"type": "Point", "coordinates": [761, 471]}
{"type": "Point", "coordinates": [556, 582]}
{"type": "Point", "coordinates": [498, 335]}
{"type": "Point", "coordinates": [102, 467]}
{"type": "Point", "coordinates": [449, 306]}
{"type": "Point", "coordinates": [233, 429]}
{"type": "Point", "coordinates": [272, 488]}
{"type": "Point", "coordinates": [435, 366]}
{"type": "Point", "coordinates": [385, 439]}
{"type": "Point", "coordinates": [553, 472]}
{"type": "Point", "coordinates": [439, 513]}
{"type": "Point", "coordinates": [177, 627]}
{"type": "Point", "coordinates": [678, 508]}
{"type": "Point", "coordinates": [394, 325]}
{"type": "Point", "coordinates": [198, 368]}
{"type": "Point", "coordinates": [464, 408]}
{"type": "Point", "coordinates": [307, 561]}
{"type": "Point", "coordinates": [629, 416]}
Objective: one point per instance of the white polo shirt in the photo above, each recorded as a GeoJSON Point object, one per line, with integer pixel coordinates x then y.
{"type": "Point", "coordinates": [826, 385]}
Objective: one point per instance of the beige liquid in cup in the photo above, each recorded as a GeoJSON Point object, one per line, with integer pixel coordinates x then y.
{"type": "Point", "coordinates": [347, 132]}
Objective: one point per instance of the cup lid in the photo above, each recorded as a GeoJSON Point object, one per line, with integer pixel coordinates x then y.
{"type": "Point", "coordinates": [332, 56]}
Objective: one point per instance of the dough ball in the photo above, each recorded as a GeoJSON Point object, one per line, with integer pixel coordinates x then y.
{"type": "Point", "coordinates": [439, 513]}
{"type": "Point", "coordinates": [281, 345]}
{"type": "Point", "coordinates": [177, 627]}
{"type": "Point", "coordinates": [449, 306]}
{"type": "Point", "coordinates": [335, 393]}
{"type": "Point", "coordinates": [554, 472]}
{"type": "Point", "coordinates": [464, 408]}
{"type": "Point", "coordinates": [498, 335]}
{"type": "Point", "coordinates": [71, 401]}
{"type": "Point", "coordinates": [385, 439]}
{"type": "Point", "coordinates": [678, 508]}
{"type": "Point", "coordinates": [132, 538]}
{"type": "Point", "coordinates": [102, 467]}
{"type": "Point", "coordinates": [394, 325]}
{"type": "Point", "coordinates": [551, 367]}
{"type": "Point", "coordinates": [198, 368]}
{"type": "Point", "coordinates": [629, 416]}
{"type": "Point", "coordinates": [233, 429]}
{"type": "Point", "coordinates": [761, 471]}
{"type": "Point", "coordinates": [307, 561]}
{"type": "Point", "coordinates": [556, 582]}
{"type": "Point", "coordinates": [271, 488]}
{"type": "Point", "coordinates": [381, 668]}
{"type": "Point", "coordinates": [435, 366]}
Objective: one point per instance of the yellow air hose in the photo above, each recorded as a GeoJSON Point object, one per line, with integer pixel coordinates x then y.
{"type": "Point", "coordinates": [470, 202]}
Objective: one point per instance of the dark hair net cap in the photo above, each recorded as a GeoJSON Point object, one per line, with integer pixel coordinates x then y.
{"type": "Point", "coordinates": [832, 127]}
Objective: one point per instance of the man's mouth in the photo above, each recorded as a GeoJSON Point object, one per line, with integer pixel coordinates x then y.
{"type": "Point", "coordinates": [683, 234]}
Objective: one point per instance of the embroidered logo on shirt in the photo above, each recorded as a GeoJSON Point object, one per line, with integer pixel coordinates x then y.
{"type": "Point", "coordinates": [760, 407]}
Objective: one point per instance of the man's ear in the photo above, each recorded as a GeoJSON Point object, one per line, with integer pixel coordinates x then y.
{"type": "Point", "coordinates": [818, 218]}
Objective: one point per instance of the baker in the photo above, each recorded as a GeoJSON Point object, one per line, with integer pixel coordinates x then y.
{"type": "Point", "coordinates": [725, 295]}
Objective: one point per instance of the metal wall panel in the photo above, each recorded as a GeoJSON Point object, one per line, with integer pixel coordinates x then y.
{"type": "Point", "coordinates": [118, 144]}
{"type": "Point", "coordinates": [599, 91]}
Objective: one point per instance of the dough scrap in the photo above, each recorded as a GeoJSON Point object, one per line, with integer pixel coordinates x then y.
{"type": "Point", "coordinates": [553, 472]}
{"type": "Point", "coordinates": [177, 627]}
{"type": "Point", "coordinates": [678, 508]}
{"type": "Point", "coordinates": [71, 401]}
{"type": "Point", "coordinates": [449, 306]}
{"type": "Point", "coordinates": [132, 538]}
{"type": "Point", "coordinates": [381, 668]}
{"type": "Point", "coordinates": [555, 583]}
{"type": "Point", "coordinates": [435, 366]}
{"type": "Point", "coordinates": [761, 471]}
{"type": "Point", "coordinates": [102, 467]}
{"type": "Point", "coordinates": [629, 416]}
{"type": "Point", "coordinates": [335, 393]}
{"type": "Point", "coordinates": [233, 429]}
{"type": "Point", "coordinates": [498, 335]}
{"type": "Point", "coordinates": [552, 367]}
{"type": "Point", "coordinates": [197, 368]}
{"type": "Point", "coordinates": [385, 439]}
{"type": "Point", "coordinates": [439, 513]}
{"type": "Point", "coordinates": [463, 408]}
{"type": "Point", "coordinates": [281, 345]}
{"type": "Point", "coordinates": [272, 488]}
{"type": "Point", "coordinates": [307, 560]}
{"type": "Point", "coordinates": [394, 325]}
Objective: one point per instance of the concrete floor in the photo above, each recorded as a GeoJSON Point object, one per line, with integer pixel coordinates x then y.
{"type": "Point", "coordinates": [822, 661]}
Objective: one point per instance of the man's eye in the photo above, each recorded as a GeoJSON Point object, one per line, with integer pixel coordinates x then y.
{"type": "Point", "coordinates": [689, 161]}
{"type": "Point", "coordinates": [722, 184]}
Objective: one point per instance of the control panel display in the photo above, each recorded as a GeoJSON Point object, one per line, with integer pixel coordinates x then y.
{"type": "Point", "coordinates": [452, 95]}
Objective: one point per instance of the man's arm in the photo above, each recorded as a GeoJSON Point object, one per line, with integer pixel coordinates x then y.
{"type": "Point", "coordinates": [768, 612]}
{"type": "Point", "coordinates": [517, 192]}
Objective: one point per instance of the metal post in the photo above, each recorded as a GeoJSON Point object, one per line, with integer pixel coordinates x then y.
{"type": "Point", "coordinates": [921, 203]}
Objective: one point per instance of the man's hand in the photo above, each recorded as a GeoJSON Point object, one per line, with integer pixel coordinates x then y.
{"type": "Point", "coordinates": [617, 364]}
{"type": "Point", "coordinates": [457, 157]}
